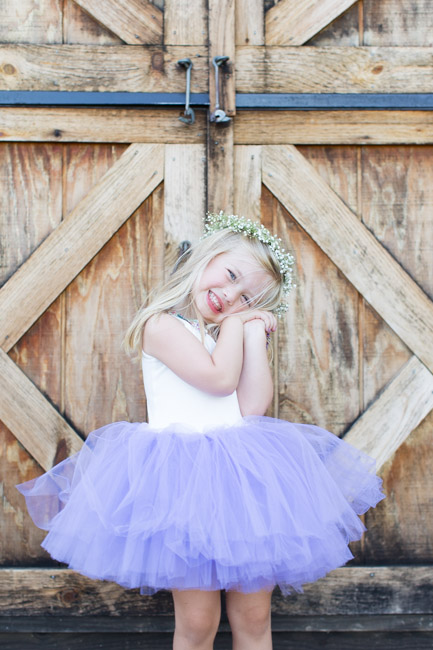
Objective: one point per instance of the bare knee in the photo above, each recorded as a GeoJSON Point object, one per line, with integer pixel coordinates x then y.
{"type": "Point", "coordinates": [196, 621]}
{"type": "Point", "coordinates": [249, 618]}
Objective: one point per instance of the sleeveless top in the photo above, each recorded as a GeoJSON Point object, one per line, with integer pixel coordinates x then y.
{"type": "Point", "coordinates": [171, 400]}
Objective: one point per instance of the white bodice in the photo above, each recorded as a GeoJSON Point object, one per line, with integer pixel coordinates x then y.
{"type": "Point", "coordinates": [172, 400]}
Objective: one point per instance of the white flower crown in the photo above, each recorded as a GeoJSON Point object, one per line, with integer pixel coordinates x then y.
{"type": "Point", "coordinates": [215, 222]}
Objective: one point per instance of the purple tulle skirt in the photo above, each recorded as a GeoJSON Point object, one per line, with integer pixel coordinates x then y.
{"type": "Point", "coordinates": [246, 507]}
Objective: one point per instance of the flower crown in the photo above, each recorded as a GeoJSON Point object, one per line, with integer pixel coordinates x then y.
{"type": "Point", "coordinates": [215, 222]}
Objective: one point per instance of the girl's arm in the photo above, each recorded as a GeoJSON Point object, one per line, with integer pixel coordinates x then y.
{"type": "Point", "coordinates": [169, 341]}
{"type": "Point", "coordinates": [255, 388]}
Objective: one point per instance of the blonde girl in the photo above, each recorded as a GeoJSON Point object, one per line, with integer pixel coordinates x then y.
{"type": "Point", "coordinates": [209, 494]}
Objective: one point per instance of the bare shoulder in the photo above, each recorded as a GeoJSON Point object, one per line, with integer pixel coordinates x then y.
{"type": "Point", "coordinates": [164, 330]}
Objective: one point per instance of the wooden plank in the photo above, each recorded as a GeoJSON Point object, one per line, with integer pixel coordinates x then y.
{"type": "Point", "coordinates": [222, 43]}
{"type": "Point", "coordinates": [344, 31]}
{"type": "Point", "coordinates": [348, 243]}
{"type": "Point", "coordinates": [80, 27]}
{"type": "Point", "coordinates": [293, 22]}
{"type": "Point", "coordinates": [220, 137]}
{"type": "Point", "coordinates": [113, 282]}
{"type": "Point", "coordinates": [333, 70]}
{"type": "Point", "coordinates": [333, 127]}
{"type": "Point", "coordinates": [185, 23]}
{"type": "Point", "coordinates": [248, 181]}
{"type": "Point", "coordinates": [79, 237]}
{"type": "Point", "coordinates": [184, 197]}
{"type": "Point", "coordinates": [30, 21]}
{"type": "Point", "coordinates": [319, 361]}
{"type": "Point", "coordinates": [395, 413]}
{"type": "Point", "coordinates": [134, 21]}
{"type": "Point", "coordinates": [99, 125]}
{"type": "Point", "coordinates": [396, 22]}
{"type": "Point", "coordinates": [27, 413]}
{"type": "Point", "coordinates": [101, 68]}
{"type": "Point", "coordinates": [357, 591]}
{"type": "Point", "coordinates": [250, 22]}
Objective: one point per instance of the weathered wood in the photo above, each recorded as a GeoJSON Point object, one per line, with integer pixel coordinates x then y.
{"type": "Point", "coordinates": [356, 252]}
{"type": "Point", "coordinates": [355, 591]}
{"type": "Point", "coordinates": [99, 125]}
{"type": "Point", "coordinates": [344, 31]}
{"type": "Point", "coordinates": [101, 68]}
{"type": "Point", "coordinates": [396, 22]}
{"type": "Point", "coordinates": [185, 23]}
{"type": "Point", "coordinates": [293, 22]}
{"type": "Point", "coordinates": [247, 181]}
{"type": "Point", "coordinates": [27, 413]}
{"type": "Point", "coordinates": [318, 360]}
{"type": "Point", "coordinates": [333, 127]}
{"type": "Point", "coordinates": [250, 23]}
{"type": "Point", "coordinates": [406, 401]}
{"type": "Point", "coordinates": [184, 197]}
{"type": "Point", "coordinates": [102, 300]}
{"type": "Point", "coordinates": [222, 43]}
{"type": "Point", "coordinates": [135, 21]}
{"type": "Point", "coordinates": [66, 251]}
{"type": "Point", "coordinates": [80, 28]}
{"type": "Point", "coordinates": [333, 70]}
{"type": "Point", "coordinates": [31, 21]}
{"type": "Point", "coordinates": [219, 137]}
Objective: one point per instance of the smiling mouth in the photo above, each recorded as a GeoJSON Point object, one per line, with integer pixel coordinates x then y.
{"type": "Point", "coordinates": [214, 302]}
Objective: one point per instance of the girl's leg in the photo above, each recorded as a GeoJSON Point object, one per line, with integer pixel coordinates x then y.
{"type": "Point", "coordinates": [197, 616]}
{"type": "Point", "coordinates": [250, 619]}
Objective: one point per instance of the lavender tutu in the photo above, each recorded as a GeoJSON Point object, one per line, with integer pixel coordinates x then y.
{"type": "Point", "coordinates": [243, 507]}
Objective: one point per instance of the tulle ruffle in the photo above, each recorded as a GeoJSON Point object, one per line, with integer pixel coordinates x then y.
{"type": "Point", "coordinates": [245, 507]}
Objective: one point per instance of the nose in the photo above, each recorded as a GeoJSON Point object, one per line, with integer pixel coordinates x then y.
{"type": "Point", "coordinates": [231, 294]}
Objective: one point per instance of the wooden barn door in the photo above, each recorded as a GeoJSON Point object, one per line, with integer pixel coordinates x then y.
{"type": "Point", "coordinates": [95, 203]}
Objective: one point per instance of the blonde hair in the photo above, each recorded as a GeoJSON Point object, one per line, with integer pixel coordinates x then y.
{"type": "Point", "coordinates": [178, 290]}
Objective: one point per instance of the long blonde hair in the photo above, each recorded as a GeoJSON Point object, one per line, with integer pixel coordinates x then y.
{"type": "Point", "coordinates": [178, 290]}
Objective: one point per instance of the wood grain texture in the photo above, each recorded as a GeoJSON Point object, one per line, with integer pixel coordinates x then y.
{"type": "Point", "coordinates": [99, 125]}
{"type": "Point", "coordinates": [30, 21]}
{"type": "Point", "coordinates": [27, 413]}
{"type": "Point", "coordinates": [344, 31]}
{"type": "Point", "coordinates": [102, 384]}
{"type": "Point", "coordinates": [185, 23]}
{"type": "Point", "coordinates": [293, 22]}
{"type": "Point", "coordinates": [396, 22]}
{"type": "Point", "coordinates": [404, 403]}
{"type": "Point", "coordinates": [184, 197]}
{"type": "Point", "coordinates": [66, 251]}
{"type": "Point", "coordinates": [384, 590]}
{"type": "Point", "coordinates": [376, 275]}
{"type": "Point", "coordinates": [220, 138]}
{"type": "Point", "coordinates": [333, 127]}
{"type": "Point", "coordinates": [80, 28]}
{"type": "Point", "coordinates": [101, 68]}
{"type": "Point", "coordinates": [250, 22]}
{"type": "Point", "coordinates": [248, 181]}
{"type": "Point", "coordinates": [134, 21]}
{"type": "Point", "coordinates": [333, 70]}
{"type": "Point", "coordinates": [222, 43]}
{"type": "Point", "coordinates": [318, 359]}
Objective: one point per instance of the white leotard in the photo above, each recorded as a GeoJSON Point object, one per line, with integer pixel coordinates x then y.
{"type": "Point", "coordinates": [172, 400]}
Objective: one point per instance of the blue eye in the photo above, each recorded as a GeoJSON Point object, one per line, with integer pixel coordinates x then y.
{"type": "Point", "coordinates": [232, 275]}
{"type": "Point", "coordinates": [245, 299]}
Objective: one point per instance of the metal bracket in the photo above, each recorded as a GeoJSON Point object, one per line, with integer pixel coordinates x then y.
{"type": "Point", "coordinates": [219, 116]}
{"type": "Point", "coordinates": [188, 116]}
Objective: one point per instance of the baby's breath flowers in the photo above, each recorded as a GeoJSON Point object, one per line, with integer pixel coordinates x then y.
{"type": "Point", "coordinates": [215, 222]}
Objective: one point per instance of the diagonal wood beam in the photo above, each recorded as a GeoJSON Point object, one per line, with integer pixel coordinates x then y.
{"type": "Point", "coordinates": [32, 419]}
{"type": "Point", "coordinates": [398, 410]}
{"type": "Point", "coordinates": [293, 22]}
{"type": "Point", "coordinates": [65, 252]}
{"type": "Point", "coordinates": [137, 22]}
{"type": "Point", "coordinates": [352, 247]}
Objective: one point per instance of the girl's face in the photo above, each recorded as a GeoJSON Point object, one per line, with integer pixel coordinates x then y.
{"type": "Point", "coordinates": [228, 285]}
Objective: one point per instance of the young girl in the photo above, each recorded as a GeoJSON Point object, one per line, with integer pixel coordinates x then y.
{"type": "Point", "coordinates": [210, 494]}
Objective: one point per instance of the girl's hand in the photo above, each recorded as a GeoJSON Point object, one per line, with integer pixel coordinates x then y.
{"type": "Point", "coordinates": [269, 320]}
